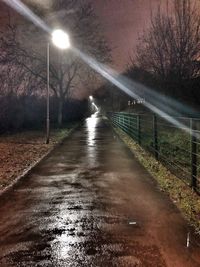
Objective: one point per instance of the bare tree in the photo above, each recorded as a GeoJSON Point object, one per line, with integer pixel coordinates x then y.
{"type": "Point", "coordinates": [15, 80]}
{"type": "Point", "coordinates": [170, 48]}
{"type": "Point", "coordinates": [27, 48]}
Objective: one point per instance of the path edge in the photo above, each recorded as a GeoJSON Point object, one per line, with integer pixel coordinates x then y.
{"type": "Point", "coordinates": [192, 220]}
{"type": "Point", "coordinates": [36, 163]}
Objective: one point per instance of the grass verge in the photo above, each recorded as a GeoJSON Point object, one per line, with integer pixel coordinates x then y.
{"type": "Point", "coordinates": [181, 194]}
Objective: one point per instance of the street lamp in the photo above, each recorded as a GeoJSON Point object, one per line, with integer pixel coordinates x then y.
{"type": "Point", "coordinates": [91, 98]}
{"type": "Point", "coordinates": [61, 40]}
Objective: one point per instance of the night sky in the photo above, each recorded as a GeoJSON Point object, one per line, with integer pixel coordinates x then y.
{"type": "Point", "coordinates": [122, 21]}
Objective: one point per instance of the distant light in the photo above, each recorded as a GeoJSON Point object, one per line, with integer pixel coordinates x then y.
{"type": "Point", "coordinates": [95, 106]}
{"type": "Point", "coordinates": [132, 223]}
{"type": "Point", "coordinates": [60, 39]}
{"type": "Point", "coordinates": [91, 97]}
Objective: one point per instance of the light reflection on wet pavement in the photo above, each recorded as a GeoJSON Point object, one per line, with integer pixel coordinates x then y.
{"type": "Point", "coordinates": [75, 209]}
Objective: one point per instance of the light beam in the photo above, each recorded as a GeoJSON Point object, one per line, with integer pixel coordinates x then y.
{"type": "Point", "coordinates": [27, 13]}
{"type": "Point", "coordinates": [133, 89]}
{"type": "Point", "coordinates": [155, 102]}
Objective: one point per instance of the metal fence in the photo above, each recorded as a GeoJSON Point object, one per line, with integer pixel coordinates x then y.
{"type": "Point", "coordinates": [175, 146]}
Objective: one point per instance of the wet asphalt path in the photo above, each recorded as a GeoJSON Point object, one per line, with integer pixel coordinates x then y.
{"type": "Point", "coordinates": [79, 208]}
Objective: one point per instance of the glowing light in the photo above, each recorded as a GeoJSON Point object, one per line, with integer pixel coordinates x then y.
{"type": "Point", "coordinates": [136, 90]}
{"type": "Point", "coordinates": [159, 104]}
{"type": "Point", "coordinates": [91, 125]}
{"type": "Point", "coordinates": [95, 106]}
{"type": "Point", "coordinates": [27, 13]}
{"type": "Point", "coordinates": [60, 39]}
{"type": "Point", "coordinates": [91, 140]}
{"type": "Point", "coordinates": [91, 98]}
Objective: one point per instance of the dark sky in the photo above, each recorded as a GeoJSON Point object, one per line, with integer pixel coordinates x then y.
{"type": "Point", "coordinates": [122, 20]}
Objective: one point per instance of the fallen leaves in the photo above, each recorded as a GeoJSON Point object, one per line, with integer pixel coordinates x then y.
{"type": "Point", "coordinates": [19, 151]}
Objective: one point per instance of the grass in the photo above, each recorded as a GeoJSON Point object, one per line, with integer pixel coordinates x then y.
{"type": "Point", "coordinates": [174, 145]}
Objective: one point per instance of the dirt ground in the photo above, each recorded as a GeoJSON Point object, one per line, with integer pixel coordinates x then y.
{"type": "Point", "coordinates": [21, 150]}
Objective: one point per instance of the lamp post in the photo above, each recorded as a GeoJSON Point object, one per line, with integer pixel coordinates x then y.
{"type": "Point", "coordinates": [61, 40]}
{"type": "Point", "coordinates": [47, 126]}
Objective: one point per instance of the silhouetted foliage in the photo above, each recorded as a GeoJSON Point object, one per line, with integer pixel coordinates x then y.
{"type": "Point", "coordinates": [168, 53]}
{"type": "Point", "coordinates": [29, 112]}
{"type": "Point", "coordinates": [23, 49]}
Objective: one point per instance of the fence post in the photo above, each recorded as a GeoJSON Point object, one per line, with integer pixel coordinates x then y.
{"type": "Point", "coordinates": [128, 123]}
{"type": "Point", "coordinates": [139, 129]}
{"type": "Point", "coordinates": [193, 154]}
{"type": "Point", "coordinates": [155, 137]}
{"type": "Point", "coordinates": [121, 122]}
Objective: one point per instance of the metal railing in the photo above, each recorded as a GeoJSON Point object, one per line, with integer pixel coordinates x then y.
{"type": "Point", "coordinates": [175, 146]}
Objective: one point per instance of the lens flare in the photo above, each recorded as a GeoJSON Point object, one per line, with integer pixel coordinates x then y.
{"type": "Point", "coordinates": [135, 90]}
{"type": "Point", "coordinates": [27, 13]}
{"type": "Point", "coordinates": [163, 106]}
{"type": "Point", "coordinates": [95, 106]}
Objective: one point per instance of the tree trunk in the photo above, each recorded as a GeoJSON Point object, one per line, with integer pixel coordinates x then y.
{"type": "Point", "coordinates": [60, 112]}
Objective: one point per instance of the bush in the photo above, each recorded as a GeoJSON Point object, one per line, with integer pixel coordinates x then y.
{"type": "Point", "coordinates": [29, 112]}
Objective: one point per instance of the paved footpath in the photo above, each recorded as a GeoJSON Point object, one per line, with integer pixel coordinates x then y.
{"type": "Point", "coordinates": [90, 203]}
